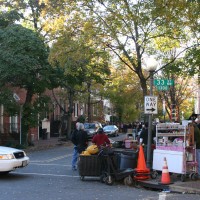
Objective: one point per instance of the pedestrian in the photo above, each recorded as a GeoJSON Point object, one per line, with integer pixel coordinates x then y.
{"type": "Point", "coordinates": [75, 151]}
{"type": "Point", "coordinates": [144, 139]}
{"type": "Point", "coordinates": [80, 140]}
{"type": "Point", "coordinates": [101, 139]}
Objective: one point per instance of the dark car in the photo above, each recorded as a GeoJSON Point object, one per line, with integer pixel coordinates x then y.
{"type": "Point", "coordinates": [111, 130]}
{"type": "Point", "coordinates": [92, 128]}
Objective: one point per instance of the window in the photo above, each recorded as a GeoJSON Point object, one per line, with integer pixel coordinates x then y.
{"type": "Point", "coordinates": [75, 109]}
{"type": "Point", "coordinates": [14, 124]}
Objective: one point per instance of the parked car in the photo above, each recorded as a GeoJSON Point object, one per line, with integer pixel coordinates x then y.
{"type": "Point", "coordinates": [11, 159]}
{"type": "Point", "coordinates": [111, 130]}
{"type": "Point", "coordinates": [92, 128]}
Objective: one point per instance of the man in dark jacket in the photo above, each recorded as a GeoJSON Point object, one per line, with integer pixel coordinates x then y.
{"type": "Point", "coordinates": [75, 151]}
{"type": "Point", "coordinates": [144, 138]}
{"type": "Point", "coordinates": [80, 140]}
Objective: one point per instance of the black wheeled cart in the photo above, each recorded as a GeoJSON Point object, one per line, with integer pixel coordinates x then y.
{"type": "Point", "coordinates": [106, 166]}
{"type": "Point", "coordinates": [89, 166]}
{"type": "Point", "coordinates": [111, 171]}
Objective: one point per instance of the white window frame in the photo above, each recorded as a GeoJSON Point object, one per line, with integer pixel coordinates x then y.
{"type": "Point", "coordinates": [13, 119]}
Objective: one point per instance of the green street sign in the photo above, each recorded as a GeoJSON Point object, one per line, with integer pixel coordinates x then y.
{"type": "Point", "coordinates": [162, 87]}
{"type": "Point", "coordinates": [163, 82]}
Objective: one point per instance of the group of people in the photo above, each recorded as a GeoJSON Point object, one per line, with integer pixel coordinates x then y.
{"type": "Point", "coordinates": [79, 138]}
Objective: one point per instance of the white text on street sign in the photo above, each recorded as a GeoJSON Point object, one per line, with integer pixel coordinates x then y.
{"type": "Point", "coordinates": [150, 105]}
{"type": "Point", "coordinates": [162, 87]}
{"type": "Point", "coordinates": [163, 82]}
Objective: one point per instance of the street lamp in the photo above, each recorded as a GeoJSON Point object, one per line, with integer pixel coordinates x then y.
{"type": "Point", "coordinates": [151, 67]}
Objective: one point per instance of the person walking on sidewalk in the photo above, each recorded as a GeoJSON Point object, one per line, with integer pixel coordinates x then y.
{"type": "Point", "coordinates": [80, 140]}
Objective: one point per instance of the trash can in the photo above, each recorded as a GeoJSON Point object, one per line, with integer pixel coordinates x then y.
{"type": "Point", "coordinates": [128, 160]}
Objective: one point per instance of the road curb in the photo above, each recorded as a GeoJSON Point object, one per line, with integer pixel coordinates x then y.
{"type": "Point", "coordinates": [181, 189]}
{"type": "Point", "coordinates": [169, 188]}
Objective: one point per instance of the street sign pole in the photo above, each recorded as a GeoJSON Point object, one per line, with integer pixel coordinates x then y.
{"type": "Point", "coordinates": [164, 110]}
{"type": "Point", "coordinates": [150, 126]}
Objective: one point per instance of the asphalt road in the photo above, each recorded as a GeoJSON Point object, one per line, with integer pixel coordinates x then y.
{"type": "Point", "coordinates": [49, 177]}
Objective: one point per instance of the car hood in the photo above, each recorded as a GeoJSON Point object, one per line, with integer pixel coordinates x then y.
{"type": "Point", "coordinates": [8, 150]}
{"type": "Point", "coordinates": [108, 130]}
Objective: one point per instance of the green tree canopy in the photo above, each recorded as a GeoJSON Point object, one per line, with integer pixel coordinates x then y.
{"type": "Point", "coordinates": [24, 64]}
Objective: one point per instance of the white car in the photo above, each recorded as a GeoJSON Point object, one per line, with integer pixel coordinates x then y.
{"type": "Point", "coordinates": [111, 130]}
{"type": "Point", "coordinates": [11, 159]}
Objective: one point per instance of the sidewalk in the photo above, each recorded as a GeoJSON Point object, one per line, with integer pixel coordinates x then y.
{"type": "Point", "coordinates": [189, 186]}
{"type": "Point", "coordinates": [48, 143]}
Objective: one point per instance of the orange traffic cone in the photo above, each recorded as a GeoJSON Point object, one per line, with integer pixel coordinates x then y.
{"type": "Point", "coordinates": [141, 165]}
{"type": "Point", "coordinates": [142, 172]}
{"type": "Point", "coordinates": [165, 178]}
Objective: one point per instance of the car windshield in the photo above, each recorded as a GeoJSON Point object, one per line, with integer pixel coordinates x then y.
{"type": "Point", "coordinates": [89, 126]}
{"type": "Point", "coordinates": [109, 127]}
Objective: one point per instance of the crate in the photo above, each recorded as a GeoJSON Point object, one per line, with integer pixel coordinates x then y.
{"type": "Point", "coordinates": [89, 165]}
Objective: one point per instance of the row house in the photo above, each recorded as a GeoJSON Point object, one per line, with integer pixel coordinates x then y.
{"type": "Point", "coordinates": [10, 126]}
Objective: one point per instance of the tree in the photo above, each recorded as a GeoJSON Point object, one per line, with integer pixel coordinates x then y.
{"type": "Point", "coordinates": [184, 87]}
{"type": "Point", "coordinates": [50, 18]}
{"type": "Point", "coordinates": [130, 28]}
{"type": "Point", "coordinates": [30, 11]}
{"type": "Point", "coordinates": [178, 96]}
{"type": "Point", "coordinates": [24, 64]}
{"type": "Point", "coordinates": [82, 65]}
{"type": "Point", "coordinates": [123, 91]}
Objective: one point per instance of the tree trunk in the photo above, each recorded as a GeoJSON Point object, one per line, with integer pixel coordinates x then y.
{"type": "Point", "coordinates": [70, 111]}
{"type": "Point", "coordinates": [89, 102]}
{"type": "Point", "coordinates": [25, 118]}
